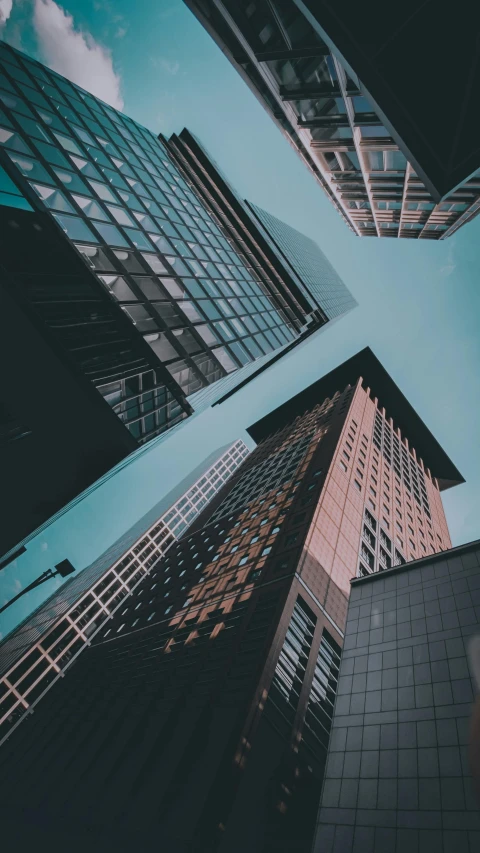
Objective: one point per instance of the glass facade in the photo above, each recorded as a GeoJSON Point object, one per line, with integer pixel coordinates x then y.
{"type": "Point", "coordinates": [327, 116]}
{"type": "Point", "coordinates": [36, 653]}
{"type": "Point", "coordinates": [113, 189]}
{"type": "Point", "coordinates": [309, 264]}
{"type": "Point", "coordinates": [398, 775]}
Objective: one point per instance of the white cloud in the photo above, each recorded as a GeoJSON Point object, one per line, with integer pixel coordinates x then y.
{"type": "Point", "coordinates": [74, 53]}
{"type": "Point", "coordinates": [6, 7]}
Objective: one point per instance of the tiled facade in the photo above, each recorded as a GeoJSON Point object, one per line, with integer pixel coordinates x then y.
{"type": "Point", "coordinates": [35, 655]}
{"type": "Point", "coordinates": [325, 111]}
{"type": "Point", "coordinates": [202, 711]}
{"type": "Point", "coordinates": [397, 775]}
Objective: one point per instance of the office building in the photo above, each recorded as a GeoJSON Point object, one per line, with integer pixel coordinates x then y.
{"type": "Point", "coordinates": [303, 279]}
{"type": "Point", "coordinates": [130, 279]}
{"type": "Point", "coordinates": [36, 654]}
{"type": "Point", "coordinates": [398, 775]}
{"type": "Point", "coordinates": [201, 713]}
{"type": "Point", "coordinates": [357, 96]}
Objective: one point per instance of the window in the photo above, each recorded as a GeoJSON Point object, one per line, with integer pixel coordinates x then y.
{"type": "Point", "coordinates": [243, 561]}
{"type": "Point", "coordinates": [253, 576]}
{"type": "Point", "coordinates": [357, 485]}
{"type": "Point", "coordinates": [275, 530]}
{"type": "Point", "coordinates": [266, 551]}
{"type": "Point", "coordinates": [254, 539]}
{"type": "Point", "coordinates": [372, 490]}
{"type": "Point", "coordinates": [343, 466]}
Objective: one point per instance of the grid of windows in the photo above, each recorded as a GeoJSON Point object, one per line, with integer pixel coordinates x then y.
{"type": "Point", "coordinates": [47, 643]}
{"type": "Point", "coordinates": [271, 473]}
{"type": "Point", "coordinates": [112, 187]}
{"type": "Point", "coordinates": [309, 263]}
{"type": "Point", "coordinates": [401, 461]}
{"type": "Point", "coordinates": [324, 112]}
{"type": "Point", "coordinates": [397, 774]}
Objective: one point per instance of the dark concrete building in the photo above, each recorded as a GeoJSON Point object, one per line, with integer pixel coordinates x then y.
{"type": "Point", "coordinates": [137, 291]}
{"type": "Point", "coordinates": [397, 775]}
{"type": "Point", "coordinates": [199, 718]}
{"type": "Point", "coordinates": [357, 94]}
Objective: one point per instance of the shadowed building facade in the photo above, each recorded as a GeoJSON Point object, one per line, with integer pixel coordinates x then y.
{"type": "Point", "coordinates": [358, 96]}
{"type": "Point", "coordinates": [398, 775]}
{"type": "Point", "coordinates": [200, 717]}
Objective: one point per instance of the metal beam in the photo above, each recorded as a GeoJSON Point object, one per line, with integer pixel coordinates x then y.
{"type": "Point", "coordinates": [309, 90]}
{"type": "Point", "coordinates": [324, 121]}
{"type": "Point", "coordinates": [295, 53]}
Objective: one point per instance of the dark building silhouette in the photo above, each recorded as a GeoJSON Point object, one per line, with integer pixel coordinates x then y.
{"type": "Point", "coordinates": [357, 94]}
{"type": "Point", "coordinates": [199, 719]}
{"type": "Point", "coordinates": [398, 775]}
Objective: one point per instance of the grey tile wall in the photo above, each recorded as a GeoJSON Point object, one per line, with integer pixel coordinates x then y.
{"type": "Point", "coordinates": [397, 776]}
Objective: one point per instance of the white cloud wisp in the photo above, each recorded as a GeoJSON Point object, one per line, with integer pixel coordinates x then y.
{"type": "Point", "coordinates": [6, 7]}
{"type": "Point", "coordinates": [74, 53]}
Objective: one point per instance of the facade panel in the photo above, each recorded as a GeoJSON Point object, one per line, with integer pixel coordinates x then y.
{"type": "Point", "coordinates": [398, 774]}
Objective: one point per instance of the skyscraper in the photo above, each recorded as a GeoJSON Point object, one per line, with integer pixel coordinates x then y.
{"type": "Point", "coordinates": [201, 715]}
{"type": "Point", "coordinates": [302, 277]}
{"type": "Point", "coordinates": [49, 640]}
{"type": "Point", "coordinates": [357, 96]}
{"type": "Point", "coordinates": [129, 277]}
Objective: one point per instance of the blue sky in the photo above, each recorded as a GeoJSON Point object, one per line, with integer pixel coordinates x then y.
{"type": "Point", "coordinates": [419, 302]}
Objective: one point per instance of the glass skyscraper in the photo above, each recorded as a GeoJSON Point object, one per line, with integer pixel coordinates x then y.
{"type": "Point", "coordinates": [141, 291]}
{"type": "Point", "coordinates": [308, 263]}
{"type": "Point", "coordinates": [112, 188]}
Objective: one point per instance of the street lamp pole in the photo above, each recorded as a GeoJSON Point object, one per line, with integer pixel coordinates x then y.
{"type": "Point", "coordinates": [63, 569]}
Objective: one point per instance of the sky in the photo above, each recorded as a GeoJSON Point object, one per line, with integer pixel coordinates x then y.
{"type": "Point", "coordinates": [419, 301]}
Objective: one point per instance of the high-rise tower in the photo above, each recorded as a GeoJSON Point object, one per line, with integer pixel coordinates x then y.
{"type": "Point", "coordinates": [134, 284]}
{"type": "Point", "coordinates": [200, 717]}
